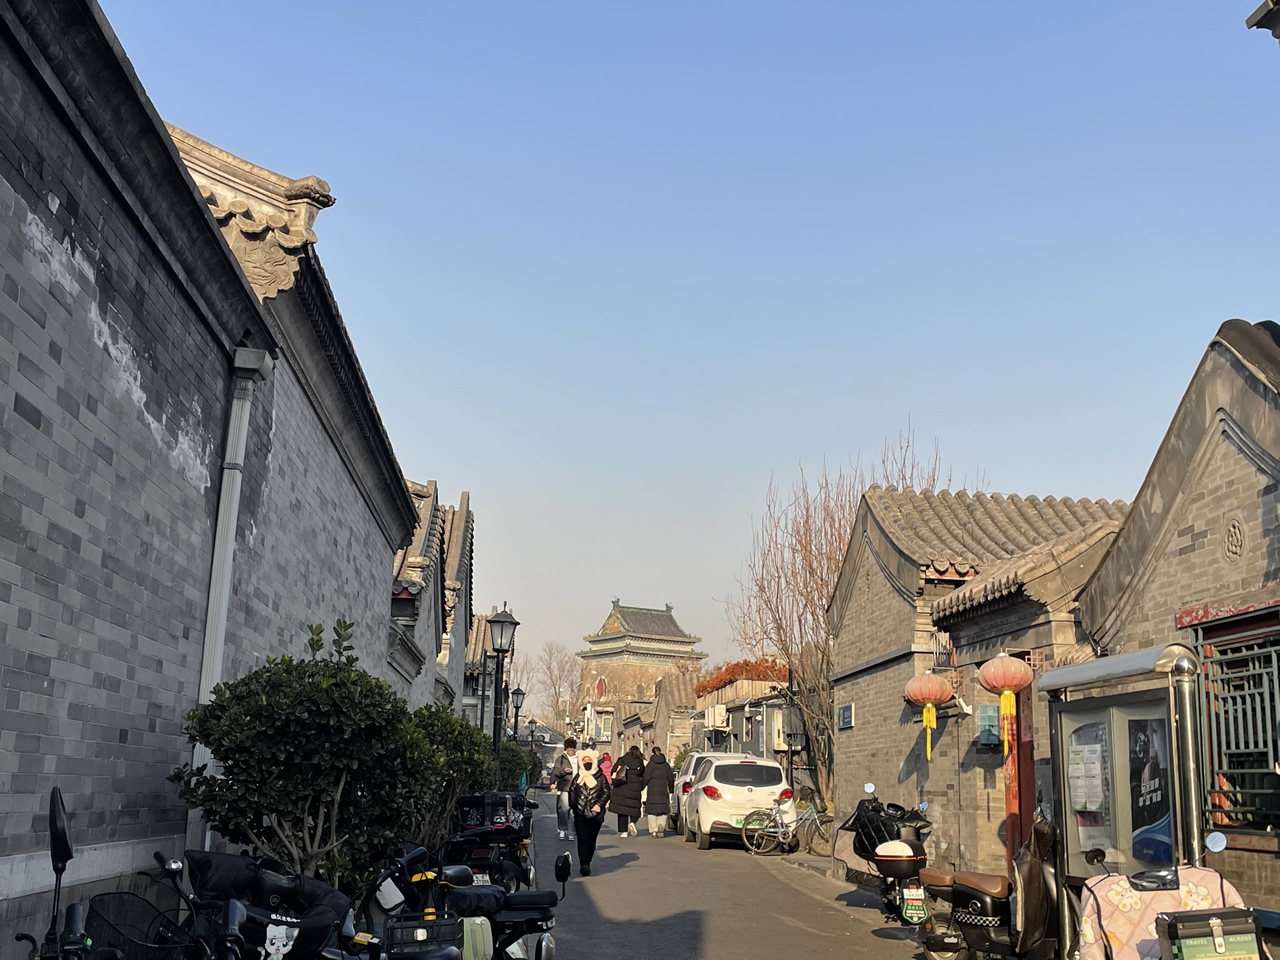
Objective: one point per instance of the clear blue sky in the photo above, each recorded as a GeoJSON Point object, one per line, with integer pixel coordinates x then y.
{"type": "Point", "coordinates": [610, 266]}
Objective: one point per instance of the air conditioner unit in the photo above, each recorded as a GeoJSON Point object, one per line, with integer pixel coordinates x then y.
{"type": "Point", "coordinates": [717, 717]}
{"type": "Point", "coordinates": [780, 735]}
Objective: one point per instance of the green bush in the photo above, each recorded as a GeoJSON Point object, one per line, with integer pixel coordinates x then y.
{"type": "Point", "coordinates": [678, 760]}
{"type": "Point", "coordinates": [517, 762]}
{"type": "Point", "coordinates": [465, 756]}
{"type": "Point", "coordinates": [319, 764]}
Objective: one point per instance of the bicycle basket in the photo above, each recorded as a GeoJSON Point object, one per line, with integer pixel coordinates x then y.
{"type": "Point", "coordinates": [404, 936]}
{"type": "Point", "coordinates": [136, 928]}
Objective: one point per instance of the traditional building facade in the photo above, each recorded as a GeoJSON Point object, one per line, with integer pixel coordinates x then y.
{"type": "Point", "coordinates": [909, 552]}
{"type": "Point", "coordinates": [1197, 560]}
{"type": "Point", "coordinates": [193, 465]}
{"type": "Point", "coordinates": [633, 650]}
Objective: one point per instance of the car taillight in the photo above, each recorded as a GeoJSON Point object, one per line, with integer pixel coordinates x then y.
{"type": "Point", "coordinates": [786, 794]}
{"type": "Point", "coordinates": [687, 787]}
{"type": "Point", "coordinates": [711, 793]}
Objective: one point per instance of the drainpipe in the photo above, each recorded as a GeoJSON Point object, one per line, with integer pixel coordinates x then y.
{"type": "Point", "coordinates": [249, 367]}
{"type": "Point", "coordinates": [1188, 781]}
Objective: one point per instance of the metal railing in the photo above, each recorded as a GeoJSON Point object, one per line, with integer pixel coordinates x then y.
{"type": "Point", "coordinates": [1241, 685]}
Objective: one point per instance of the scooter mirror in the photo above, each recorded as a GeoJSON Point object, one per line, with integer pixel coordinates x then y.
{"type": "Point", "coordinates": [1215, 842]}
{"type": "Point", "coordinates": [1095, 856]}
{"type": "Point", "coordinates": [564, 868]}
{"type": "Point", "coordinates": [924, 805]}
{"type": "Point", "coordinates": [60, 851]}
{"type": "Point", "coordinates": [868, 788]}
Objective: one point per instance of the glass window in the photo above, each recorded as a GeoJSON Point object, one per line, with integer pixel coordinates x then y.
{"type": "Point", "coordinates": [747, 774]}
{"type": "Point", "coordinates": [608, 726]}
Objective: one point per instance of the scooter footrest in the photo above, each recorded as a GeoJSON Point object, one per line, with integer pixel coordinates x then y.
{"type": "Point", "coordinates": [943, 943]}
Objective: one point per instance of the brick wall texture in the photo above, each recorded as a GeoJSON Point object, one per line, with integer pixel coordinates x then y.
{"type": "Point", "coordinates": [1194, 567]}
{"type": "Point", "coordinates": [113, 407]}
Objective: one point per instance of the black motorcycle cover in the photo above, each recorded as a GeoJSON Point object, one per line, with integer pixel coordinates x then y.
{"type": "Point", "coordinates": [1028, 880]}
{"type": "Point", "coordinates": [483, 900]}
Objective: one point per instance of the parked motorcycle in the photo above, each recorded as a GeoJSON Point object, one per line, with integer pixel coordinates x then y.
{"type": "Point", "coordinates": [1013, 915]}
{"type": "Point", "coordinates": [889, 853]}
{"type": "Point", "coordinates": [495, 920]}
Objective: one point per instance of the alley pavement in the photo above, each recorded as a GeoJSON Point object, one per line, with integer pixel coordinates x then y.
{"type": "Point", "coordinates": [651, 899]}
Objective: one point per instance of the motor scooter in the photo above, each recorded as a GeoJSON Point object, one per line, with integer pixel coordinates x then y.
{"type": "Point", "coordinates": [412, 889]}
{"type": "Point", "coordinates": [887, 853]}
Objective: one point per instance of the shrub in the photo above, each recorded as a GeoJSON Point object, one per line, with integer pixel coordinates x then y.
{"type": "Point", "coordinates": [320, 765]}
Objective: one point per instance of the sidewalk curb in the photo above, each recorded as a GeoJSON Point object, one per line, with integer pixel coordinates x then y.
{"type": "Point", "coordinates": [822, 868]}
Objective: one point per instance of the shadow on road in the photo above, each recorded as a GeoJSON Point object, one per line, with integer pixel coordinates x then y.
{"type": "Point", "coordinates": [584, 932]}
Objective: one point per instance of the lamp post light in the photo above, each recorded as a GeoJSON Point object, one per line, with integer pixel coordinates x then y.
{"type": "Point", "coordinates": [502, 637]}
{"type": "Point", "coordinates": [517, 701]}
{"type": "Point", "coordinates": [533, 744]}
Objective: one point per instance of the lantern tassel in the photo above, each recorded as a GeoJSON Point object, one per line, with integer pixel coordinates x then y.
{"type": "Point", "coordinates": [930, 724]}
{"type": "Point", "coordinates": [1008, 710]}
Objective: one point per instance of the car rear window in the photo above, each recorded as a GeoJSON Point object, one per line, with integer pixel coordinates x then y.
{"type": "Point", "coordinates": [747, 775]}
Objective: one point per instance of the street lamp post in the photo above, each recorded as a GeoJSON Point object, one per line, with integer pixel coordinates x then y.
{"type": "Point", "coordinates": [533, 728]}
{"type": "Point", "coordinates": [517, 701]}
{"type": "Point", "coordinates": [502, 637]}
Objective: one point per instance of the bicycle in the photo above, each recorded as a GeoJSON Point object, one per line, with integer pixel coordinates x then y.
{"type": "Point", "coordinates": [765, 829]}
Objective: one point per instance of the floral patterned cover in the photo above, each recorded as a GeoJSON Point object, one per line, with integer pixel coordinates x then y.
{"type": "Point", "coordinates": [1128, 917]}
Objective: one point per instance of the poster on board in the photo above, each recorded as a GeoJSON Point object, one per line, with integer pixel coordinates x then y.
{"type": "Point", "coordinates": [1149, 788]}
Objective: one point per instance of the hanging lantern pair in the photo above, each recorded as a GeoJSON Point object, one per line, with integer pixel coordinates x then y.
{"type": "Point", "coordinates": [929, 690]}
{"type": "Point", "coordinates": [1006, 676]}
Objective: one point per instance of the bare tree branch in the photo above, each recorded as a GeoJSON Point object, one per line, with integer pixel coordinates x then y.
{"type": "Point", "coordinates": [796, 555]}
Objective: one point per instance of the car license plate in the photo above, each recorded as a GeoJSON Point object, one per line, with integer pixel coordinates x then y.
{"type": "Point", "coordinates": [737, 821]}
{"type": "Point", "coordinates": [481, 878]}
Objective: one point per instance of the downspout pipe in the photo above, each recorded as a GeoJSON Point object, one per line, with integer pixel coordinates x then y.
{"type": "Point", "coordinates": [249, 367]}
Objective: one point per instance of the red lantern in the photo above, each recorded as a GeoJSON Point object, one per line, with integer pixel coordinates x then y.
{"type": "Point", "coordinates": [928, 690]}
{"type": "Point", "coordinates": [1006, 676]}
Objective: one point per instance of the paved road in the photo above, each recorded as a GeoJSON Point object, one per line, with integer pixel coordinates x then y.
{"type": "Point", "coordinates": [650, 899]}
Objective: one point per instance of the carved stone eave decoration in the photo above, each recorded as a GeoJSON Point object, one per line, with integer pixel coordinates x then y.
{"type": "Point", "coordinates": [267, 249]}
{"type": "Point", "coordinates": [266, 218]}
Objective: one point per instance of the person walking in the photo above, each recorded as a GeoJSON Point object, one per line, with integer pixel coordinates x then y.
{"type": "Point", "coordinates": [658, 782]}
{"type": "Point", "coordinates": [628, 777]}
{"type": "Point", "coordinates": [562, 772]}
{"type": "Point", "coordinates": [588, 796]}
{"type": "Point", "coordinates": [606, 766]}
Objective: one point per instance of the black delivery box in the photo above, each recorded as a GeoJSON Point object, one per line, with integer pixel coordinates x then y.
{"type": "Point", "coordinates": [1229, 933]}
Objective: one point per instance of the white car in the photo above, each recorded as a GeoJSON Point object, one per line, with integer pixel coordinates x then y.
{"type": "Point", "coordinates": [726, 789]}
{"type": "Point", "coordinates": [689, 770]}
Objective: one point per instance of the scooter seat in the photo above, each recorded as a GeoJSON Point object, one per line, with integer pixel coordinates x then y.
{"type": "Point", "coordinates": [936, 877]}
{"type": "Point", "coordinates": [477, 901]}
{"type": "Point", "coordinates": [531, 900]}
{"type": "Point", "coordinates": [992, 884]}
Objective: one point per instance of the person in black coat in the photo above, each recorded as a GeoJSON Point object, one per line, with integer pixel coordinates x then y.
{"type": "Point", "coordinates": [658, 782]}
{"type": "Point", "coordinates": [588, 797]}
{"type": "Point", "coordinates": [628, 784]}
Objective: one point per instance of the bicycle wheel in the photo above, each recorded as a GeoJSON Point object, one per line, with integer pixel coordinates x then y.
{"type": "Point", "coordinates": [818, 836]}
{"type": "Point", "coordinates": [760, 831]}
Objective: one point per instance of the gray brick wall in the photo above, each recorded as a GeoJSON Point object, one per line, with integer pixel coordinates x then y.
{"type": "Point", "coordinates": [1194, 566]}
{"type": "Point", "coordinates": [111, 397]}
{"type": "Point", "coordinates": [113, 406]}
{"type": "Point", "coordinates": [308, 550]}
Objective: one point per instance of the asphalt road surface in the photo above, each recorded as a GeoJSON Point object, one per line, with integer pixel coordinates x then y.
{"type": "Point", "coordinates": [650, 899]}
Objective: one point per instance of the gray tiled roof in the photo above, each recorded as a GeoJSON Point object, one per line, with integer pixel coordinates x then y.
{"type": "Point", "coordinates": [644, 622]}
{"type": "Point", "coordinates": [1010, 576]}
{"type": "Point", "coordinates": [971, 532]}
